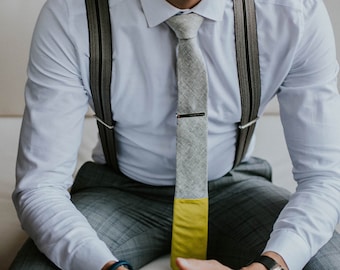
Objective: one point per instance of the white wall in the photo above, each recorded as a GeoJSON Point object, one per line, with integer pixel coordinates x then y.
{"type": "Point", "coordinates": [333, 7]}
{"type": "Point", "coordinates": [17, 19]}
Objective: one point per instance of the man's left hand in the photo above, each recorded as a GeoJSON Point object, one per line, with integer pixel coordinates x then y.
{"type": "Point", "coordinates": [193, 264]}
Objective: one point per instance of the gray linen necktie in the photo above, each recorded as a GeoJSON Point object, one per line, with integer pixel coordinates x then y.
{"type": "Point", "coordinates": [191, 195]}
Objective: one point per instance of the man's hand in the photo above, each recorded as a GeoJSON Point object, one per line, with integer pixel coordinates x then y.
{"type": "Point", "coordinates": [108, 265]}
{"type": "Point", "coordinates": [193, 264]}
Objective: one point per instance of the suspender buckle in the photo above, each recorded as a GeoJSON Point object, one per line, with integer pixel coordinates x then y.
{"type": "Point", "coordinates": [248, 124]}
{"type": "Point", "coordinates": [103, 123]}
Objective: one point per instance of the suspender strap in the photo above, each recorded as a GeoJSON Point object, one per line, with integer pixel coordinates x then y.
{"type": "Point", "coordinates": [100, 40]}
{"type": "Point", "coordinates": [248, 66]}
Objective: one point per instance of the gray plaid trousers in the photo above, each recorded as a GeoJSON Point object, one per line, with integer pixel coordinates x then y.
{"type": "Point", "coordinates": [135, 219]}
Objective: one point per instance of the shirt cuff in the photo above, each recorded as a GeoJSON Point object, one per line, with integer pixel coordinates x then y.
{"type": "Point", "coordinates": [291, 247]}
{"type": "Point", "coordinates": [94, 256]}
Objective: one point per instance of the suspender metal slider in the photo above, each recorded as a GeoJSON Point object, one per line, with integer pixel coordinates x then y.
{"type": "Point", "coordinates": [102, 122]}
{"type": "Point", "coordinates": [248, 124]}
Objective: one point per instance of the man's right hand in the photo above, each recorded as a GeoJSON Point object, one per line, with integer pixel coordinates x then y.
{"type": "Point", "coordinates": [107, 265]}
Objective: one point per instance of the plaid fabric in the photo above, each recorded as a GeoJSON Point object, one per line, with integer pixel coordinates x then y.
{"type": "Point", "coordinates": [135, 219]}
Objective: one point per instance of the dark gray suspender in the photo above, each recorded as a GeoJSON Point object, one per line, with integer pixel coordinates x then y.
{"type": "Point", "coordinates": [247, 56]}
{"type": "Point", "coordinates": [100, 39]}
{"type": "Point", "coordinates": [99, 24]}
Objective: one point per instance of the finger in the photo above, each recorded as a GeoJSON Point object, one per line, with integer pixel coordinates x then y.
{"type": "Point", "coordinates": [182, 264]}
{"type": "Point", "coordinates": [194, 264]}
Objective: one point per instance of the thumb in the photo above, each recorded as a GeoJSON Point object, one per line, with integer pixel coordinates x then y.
{"type": "Point", "coordinates": [195, 264]}
{"type": "Point", "coordinates": [183, 264]}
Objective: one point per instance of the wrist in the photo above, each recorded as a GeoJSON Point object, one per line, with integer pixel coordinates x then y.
{"type": "Point", "coordinates": [117, 265]}
{"type": "Point", "coordinates": [276, 257]}
{"type": "Point", "coordinates": [268, 260]}
{"type": "Point", "coordinates": [108, 265]}
{"type": "Point", "coordinates": [254, 266]}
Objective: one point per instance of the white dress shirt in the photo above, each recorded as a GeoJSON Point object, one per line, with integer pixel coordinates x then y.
{"type": "Point", "coordinates": [298, 64]}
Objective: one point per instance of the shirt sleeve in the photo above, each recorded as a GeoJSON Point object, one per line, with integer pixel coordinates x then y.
{"type": "Point", "coordinates": [51, 132]}
{"type": "Point", "coordinates": [310, 114]}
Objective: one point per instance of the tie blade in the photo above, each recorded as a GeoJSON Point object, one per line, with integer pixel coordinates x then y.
{"type": "Point", "coordinates": [190, 229]}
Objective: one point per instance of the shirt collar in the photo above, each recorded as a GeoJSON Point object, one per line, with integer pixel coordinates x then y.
{"type": "Point", "coordinates": [158, 11]}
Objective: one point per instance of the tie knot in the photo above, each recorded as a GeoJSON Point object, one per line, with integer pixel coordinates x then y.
{"type": "Point", "coordinates": [185, 26]}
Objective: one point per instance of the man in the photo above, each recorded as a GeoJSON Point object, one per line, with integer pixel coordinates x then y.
{"type": "Point", "coordinates": [111, 217]}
